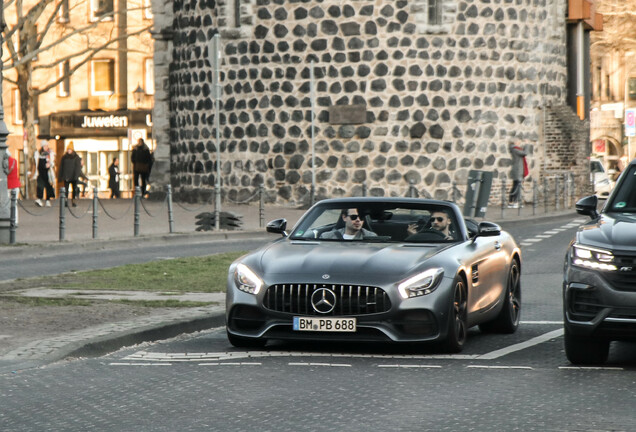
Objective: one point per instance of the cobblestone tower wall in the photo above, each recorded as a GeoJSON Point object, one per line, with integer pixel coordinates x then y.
{"type": "Point", "coordinates": [397, 100]}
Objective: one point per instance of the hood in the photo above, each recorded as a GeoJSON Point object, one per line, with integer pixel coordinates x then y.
{"type": "Point", "coordinates": [342, 261]}
{"type": "Point", "coordinates": [615, 231]}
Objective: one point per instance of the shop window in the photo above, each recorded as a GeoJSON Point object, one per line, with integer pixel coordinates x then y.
{"type": "Point", "coordinates": [631, 88]}
{"type": "Point", "coordinates": [63, 14]}
{"type": "Point", "coordinates": [434, 12]}
{"type": "Point", "coordinates": [64, 72]}
{"type": "Point", "coordinates": [17, 110]}
{"type": "Point", "coordinates": [101, 10]}
{"type": "Point", "coordinates": [149, 76]}
{"type": "Point", "coordinates": [102, 77]}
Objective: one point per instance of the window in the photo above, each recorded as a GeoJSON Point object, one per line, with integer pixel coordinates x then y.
{"type": "Point", "coordinates": [63, 15]}
{"type": "Point", "coordinates": [631, 88]}
{"type": "Point", "coordinates": [17, 111]}
{"type": "Point", "coordinates": [64, 87]}
{"type": "Point", "coordinates": [149, 76]}
{"type": "Point", "coordinates": [147, 10]}
{"type": "Point", "coordinates": [434, 12]}
{"type": "Point", "coordinates": [102, 77]}
{"type": "Point", "coordinates": [101, 9]}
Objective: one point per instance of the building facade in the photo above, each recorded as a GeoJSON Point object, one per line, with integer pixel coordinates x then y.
{"type": "Point", "coordinates": [96, 59]}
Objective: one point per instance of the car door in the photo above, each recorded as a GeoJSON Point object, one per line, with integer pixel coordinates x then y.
{"type": "Point", "coordinates": [486, 264]}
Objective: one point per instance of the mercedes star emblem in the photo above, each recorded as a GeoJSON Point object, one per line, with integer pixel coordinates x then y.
{"type": "Point", "coordinates": [323, 300]}
{"type": "Point", "coordinates": [326, 276]}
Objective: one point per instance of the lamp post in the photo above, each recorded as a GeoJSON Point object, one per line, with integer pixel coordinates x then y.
{"type": "Point", "coordinates": [5, 210]}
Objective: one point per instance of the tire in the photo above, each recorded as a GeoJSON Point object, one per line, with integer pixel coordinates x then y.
{"type": "Point", "coordinates": [507, 321]}
{"type": "Point", "coordinates": [457, 318]}
{"type": "Point", "coordinates": [243, 342]}
{"type": "Point", "coordinates": [584, 350]}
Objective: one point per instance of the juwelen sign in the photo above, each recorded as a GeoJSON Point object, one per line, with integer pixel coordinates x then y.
{"type": "Point", "coordinates": [630, 122]}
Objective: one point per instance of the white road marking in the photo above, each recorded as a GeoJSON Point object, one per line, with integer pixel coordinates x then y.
{"type": "Point", "coordinates": [592, 368]}
{"type": "Point", "coordinates": [520, 346]}
{"type": "Point", "coordinates": [552, 232]}
{"type": "Point", "coordinates": [532, 240]}
{"type": "Point", "coordinates": [541, 322]}
{"type": "Point", "coordinates": [499, 367]}
{"type": "Point", "coordinates": [138, 364]}
{"type": "Point", "coordinates": [320, 364]}
{"type": "Point", "coordinates": [544, 236]}
{"type": "Point", "coordinates": [408, 366]}
{"type": "Point", "coordinates": [231, 364]}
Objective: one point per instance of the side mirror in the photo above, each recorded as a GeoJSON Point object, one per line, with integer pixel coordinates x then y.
{"type": "Point", "coordinates": [277, 226]}
{"type": "Point", "coordinates": [587, 206]}
{"type": "Point", "coordinates": [488, 229]}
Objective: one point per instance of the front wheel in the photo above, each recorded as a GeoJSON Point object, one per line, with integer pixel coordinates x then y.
{"type": "Point", "coordinates": [457, 320]}
{"type": "Point", "coordinates": [585, 351]}
{"type": "Point", "coordinates": [243, 342]}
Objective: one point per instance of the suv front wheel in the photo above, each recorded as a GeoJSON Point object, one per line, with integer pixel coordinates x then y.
{"type": "Point", "coordinates": [585, 350]}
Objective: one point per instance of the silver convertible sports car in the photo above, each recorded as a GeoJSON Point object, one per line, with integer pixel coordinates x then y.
{"type": "Point", "coordinates": [376, 269]}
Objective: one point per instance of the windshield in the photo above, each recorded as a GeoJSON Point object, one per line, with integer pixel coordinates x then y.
{"type": "Point", "coordinates": [379, 222]}
{"type": "Point", "coordinates": [624, 198]}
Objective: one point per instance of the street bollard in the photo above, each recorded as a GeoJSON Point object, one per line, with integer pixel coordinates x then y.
{"type": "Point", "coordinates": [217, 211]}
{"type": "Point", "coordinates": [503, 197]}
{"type": "Point", "coordinates": [534, 197]}
{"type": "Point", "coordinates": [556, 193]}
{"type": "Point", "coordinates": [364, 188]}
{"type": "Point", "coordinates": [545, 194]}
{"type": "Point", "coordinates": [13, 216]}
{"type": "Point", "coordinates": [137, 199]}
{"type": "Point", "coordinates": [95, 192]}
{"type": "Point", "coordinates": [170, 213]}
{"type": "Point", "coordinates": [62, 213]}
{"type": "Point", "coordinates": [412, 191]}
{"type": "Point", "coordinates": [261, 205]}
{"type": "Point", "coordinates": [566, 201]}
{"type": "Point", "coordinates": [312, 195]}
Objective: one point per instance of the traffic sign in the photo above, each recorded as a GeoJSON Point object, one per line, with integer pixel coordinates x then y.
{"type": "Point", "coordinates": [630, 122]}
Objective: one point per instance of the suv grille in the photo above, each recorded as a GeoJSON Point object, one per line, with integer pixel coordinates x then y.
{"type": "Point", "coordinates": [350, 299]}
{"type": "Point", "coordinates": [623, 280]}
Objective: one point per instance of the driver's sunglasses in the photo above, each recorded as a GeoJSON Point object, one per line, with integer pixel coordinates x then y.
{"type": "Point", "coordinates": [438, 219]}
{"type": "Point", "coordinates": [354, 217]}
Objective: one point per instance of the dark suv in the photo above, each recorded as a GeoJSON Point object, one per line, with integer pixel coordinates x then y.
{"type": "Point", "coordinates": [599, 279]}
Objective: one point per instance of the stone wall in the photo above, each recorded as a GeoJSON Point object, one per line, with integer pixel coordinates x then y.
{"type": "Point", "coordinates": [432, 101]}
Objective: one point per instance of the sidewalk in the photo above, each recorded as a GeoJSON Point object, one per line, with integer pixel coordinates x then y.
{"type": "Point", "coordinates": [52, 333]}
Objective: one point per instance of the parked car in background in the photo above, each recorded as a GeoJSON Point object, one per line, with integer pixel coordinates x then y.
{"type": "Point", "coordinates": [600, 179]}
{"type": "Point", "coordinates": [599, 283]}
{"type": "Point", "coordinates": [376, 269]}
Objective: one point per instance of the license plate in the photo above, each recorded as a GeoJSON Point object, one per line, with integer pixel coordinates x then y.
{"type": "Point", "coordinates": [324, 324]}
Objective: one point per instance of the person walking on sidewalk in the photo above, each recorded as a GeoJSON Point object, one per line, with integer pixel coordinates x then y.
{"type": "Point", "coordinates": [141, 159]}
{"type": "Point", "coordinates": [113, 178]}
{"type": "Point", "coordinates": [44, 162]}
{"type": "Point", "coordinates": [71, 171]}
{"type": "Point", "coordinates": [13, 180]}
{"type": "Point", "coordinates": [518, 172]}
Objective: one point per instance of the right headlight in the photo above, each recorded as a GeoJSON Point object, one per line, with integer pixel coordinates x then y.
{"type": "Point", "coordinates": [593, 258]}
{"type": "Point", "coordinates": [246, 280]}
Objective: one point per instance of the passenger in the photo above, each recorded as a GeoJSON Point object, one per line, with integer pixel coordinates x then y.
{"type": "Point", "coordinates": [440, 221]}
{"type": "Point", "coordinates": [353, 227]}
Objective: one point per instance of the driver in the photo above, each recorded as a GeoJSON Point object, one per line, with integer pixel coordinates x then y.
{"type": "Point", "coordinates": [440, 221]}
{"type": "Point", "coordinates": [353, 227]}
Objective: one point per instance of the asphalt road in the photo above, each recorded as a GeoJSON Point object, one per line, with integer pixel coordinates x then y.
{"type": "Point", "coordinates": [199, 382]}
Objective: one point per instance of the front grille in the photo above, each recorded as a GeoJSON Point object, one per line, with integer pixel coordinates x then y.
{"type": "Point", "coordinates": [350, 299]}
{"type": "Point", "coordinates": [625, 278]}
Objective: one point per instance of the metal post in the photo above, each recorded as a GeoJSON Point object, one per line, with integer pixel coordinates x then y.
{"type": "Point", "coordinates": [313, 146]}
{"type": "Point", "coordinates": [95, 198]}
{"type": "Point", "coordinates": [215, 62]}
{"type": "Point", "coordinates": [62, 213]}
{"type": "Point", "coordinates": [411, 189]}
{"type": "Point", "coordinates": [170, 213]}
{"type": "Point", "coordinates": [137, 199]}
{"type": "Point", "coordinates": [545, 194]}
{"type": "Point", "coordinates": [520, 198]}
{"type": "Point", "coordinates": [503, 197]}
{"type": "Point", "coordinates": [14, 216]}
{"type": "Point", "coordinates": [5, 223]}
{"type": "Point", "coordinates": [364, 188]}
{"type": "Point", "coordinates": [556, 193]}
{"type": "Point", "coordinates": [534, 197]}
{"type": "Point", "coordinates": [261, 206]}
{"type": "Point", "coordinates": [566, 191]}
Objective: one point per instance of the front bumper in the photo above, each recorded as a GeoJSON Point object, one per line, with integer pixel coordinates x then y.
{"type": "Point", "coordinates": [599, 304]}
{"type": "Point", "coordinates": [420, 319]}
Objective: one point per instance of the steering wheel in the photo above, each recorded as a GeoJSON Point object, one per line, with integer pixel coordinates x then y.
{"type": "Point", "coordinates": [427, 234]}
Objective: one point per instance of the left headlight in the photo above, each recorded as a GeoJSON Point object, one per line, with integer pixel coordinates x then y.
{"type": "Point", "coordinates": [421, 284]}
{"type": "Point", "coordinates": [592, 258]}
{"type": "Point", "coordinates": [246, 280]}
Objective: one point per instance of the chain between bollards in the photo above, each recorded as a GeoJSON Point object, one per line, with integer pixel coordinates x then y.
{"type": "Point", "coordinates": [170, 214]}
{"type": "Point", "coordinates": [62, 213]}
{"type": "Point", "coordinates": [95, 203]}
{"type": "Point", "coordinates": [137, 199]}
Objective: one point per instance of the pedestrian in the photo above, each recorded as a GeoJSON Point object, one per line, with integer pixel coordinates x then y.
{"type": "Point", "coordinates": [13, 180]}
{"type": "Point", "coordinates": [44, 162]}
{"type": "Point", "coordinates": [518, 171]}
{"type": "Point", "coordinates": [141, 159]}
{"type": "Point", "coordinates": [71, 171]}
{"type": "Point", "coordinates": [113, 178]}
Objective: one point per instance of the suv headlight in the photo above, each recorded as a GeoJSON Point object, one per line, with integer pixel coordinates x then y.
{"type": "Point", "coordinates": [421, 284]}
{"type": "Point", "coordinates": [592, 258]}
{"type": "Point", "coordinates": [246, 280]}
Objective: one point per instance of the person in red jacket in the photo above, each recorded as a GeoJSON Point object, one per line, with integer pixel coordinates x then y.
{"type": "Point", "coordinates": [13, 180]}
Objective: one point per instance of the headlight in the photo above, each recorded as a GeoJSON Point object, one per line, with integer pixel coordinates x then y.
{"type": "Point", "coordinates": [246, 280]}
{"type": "Point", "coordinates": [593, 258]}
{"type": "Point", "coordinates": [421, 284]}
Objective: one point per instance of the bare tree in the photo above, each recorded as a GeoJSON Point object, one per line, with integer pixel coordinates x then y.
{"type": "Point", "coordinates": [36, 33]}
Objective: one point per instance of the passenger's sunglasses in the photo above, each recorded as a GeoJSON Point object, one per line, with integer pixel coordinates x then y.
{"type": "Point", "coordinates": [438, 219]}
{"type": "Point", "coordinates": [354, 217]}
